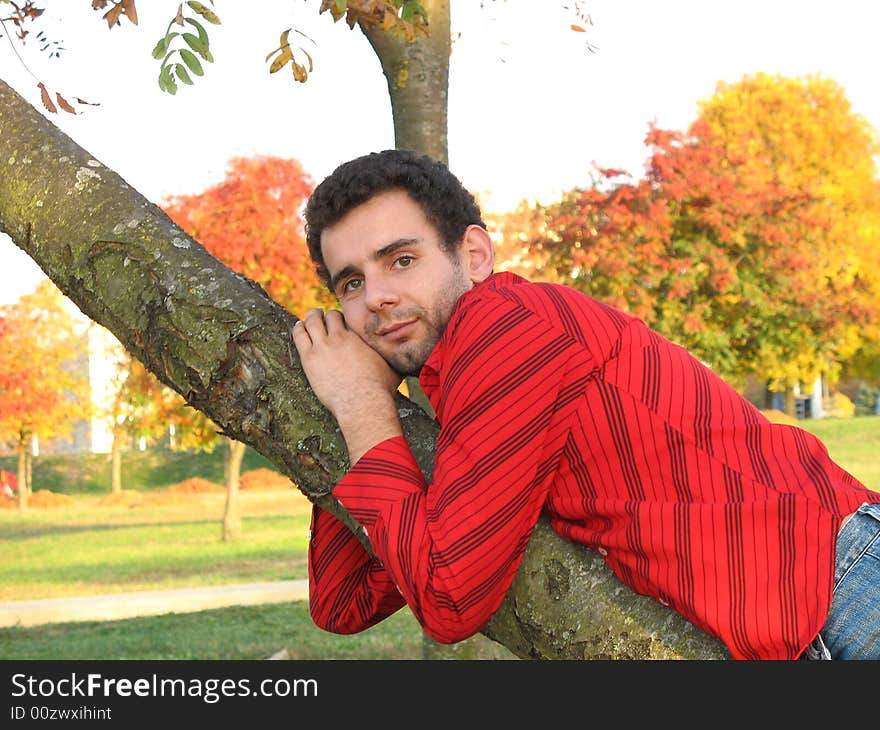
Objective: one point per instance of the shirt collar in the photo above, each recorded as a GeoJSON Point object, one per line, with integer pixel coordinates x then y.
{"type": "Point", "coordinates": [429, 377]}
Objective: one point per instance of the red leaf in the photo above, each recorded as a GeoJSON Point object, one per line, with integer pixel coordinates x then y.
{"type": "Point", "coordinates": [112, 15]}
{"type": "Point", "coordinates": [47, 100]}
{"type": "Point", "coordinates": [62, 102]}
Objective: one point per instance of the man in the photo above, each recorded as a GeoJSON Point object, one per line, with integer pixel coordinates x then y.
{"type": "Point", "coordinates": [549, 400]}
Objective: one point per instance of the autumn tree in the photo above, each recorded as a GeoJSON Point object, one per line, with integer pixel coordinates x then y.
{"type": "Point", "coordinates": [802, 133]}
{"type": "Point", "coordinates": [43, 389]}
{"type": "Point", "coordinates": [251, 221]}
{"type": "Point", "coordinates": [717, 258]}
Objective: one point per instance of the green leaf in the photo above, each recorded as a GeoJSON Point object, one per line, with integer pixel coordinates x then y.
{"type": "Point", "coordinates": [180, 70]}
{"type": "Point", "coordinates": [161, 48]}
{"type": "Point", "coordinates": [340, 5]}
{"type": "Point", "coordinates": [203, 34]}
{"type": "Point", "coordinates": [418, 9]}
{"type": "Point", "coordinates": [189, 58]}
{"type": "Point", "coordinates": [206, 13]}
{"type": "Point", "coordinates": [166, 81]}
{"type": "Point", "coordinates": [196, 43]}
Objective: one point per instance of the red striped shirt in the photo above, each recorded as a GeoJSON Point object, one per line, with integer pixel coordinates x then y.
{"type": "Point", "coordinates": [550, 400]}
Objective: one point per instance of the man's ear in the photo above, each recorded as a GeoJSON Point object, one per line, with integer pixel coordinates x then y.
{"type": "Point", "coordinates": [477, 253]}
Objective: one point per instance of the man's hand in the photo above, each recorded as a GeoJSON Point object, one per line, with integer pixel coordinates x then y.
{"type": "Point", "coordinates": [350, 378]}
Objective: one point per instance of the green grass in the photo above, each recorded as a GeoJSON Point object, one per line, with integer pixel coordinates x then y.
{"type": "Point", "coordinates": [241, 632]}
{"type": "Point", "coordinates": [61, 552]}
{"type": "Point", "coordinates": [143, 470]}
{"type": "Point", "coordinates": [95, 546]}
{"type": "Point", "coordinates": [152, 538]}
{"type": "Point", "coordinates": [853, 443]}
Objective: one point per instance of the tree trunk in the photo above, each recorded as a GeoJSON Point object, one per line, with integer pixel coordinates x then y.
{"type": "Point", "coordinates": [21, 475]}
{"type": "Point", "coordinates": [790, 403]}
{"type": "Point", "coordinates": [218, 340]}
{"type": "Point", "coordinates": [116, 462]}
{"type": "Point", "coordinates": [417, 74]}
{"type": "Point", "coordinates": [233, 454]}
{"type": "Point", "coordinates": [29, 469]}
{"type": "Point", "coordinates": [768, 396]}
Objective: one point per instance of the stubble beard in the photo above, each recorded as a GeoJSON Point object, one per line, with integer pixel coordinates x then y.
{"type": "Point", "coordinates": [408, 358]}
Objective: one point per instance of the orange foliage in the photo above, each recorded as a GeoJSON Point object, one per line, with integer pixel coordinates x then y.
{"type": "Point", "coordinates": [252, 222]}
{"type": "Point", "coordinates": [716, 255]}
{"type": "Point", "coordinates": [41, 392]}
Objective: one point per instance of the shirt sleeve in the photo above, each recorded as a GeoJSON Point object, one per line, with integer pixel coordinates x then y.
{"type": "Point", "coordinates": [452, 548]}
{"type": "Point", "coordinates": [349, 591]}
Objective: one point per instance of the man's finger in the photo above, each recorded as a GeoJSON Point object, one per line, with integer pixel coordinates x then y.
{"type": "Point", "coordinates": [300, 336]}
{"type": "Point", "coordinates": [314, 323]}
{"type": "Point", "coordinates": [334, 321]}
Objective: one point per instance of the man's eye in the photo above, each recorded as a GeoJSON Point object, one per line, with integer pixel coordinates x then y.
{"type": "Point", "coordinates": [351, 285]}
{"type": "Point", "coordinates": [403, 261]}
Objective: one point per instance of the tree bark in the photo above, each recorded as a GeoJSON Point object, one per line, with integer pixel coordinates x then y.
{"type": "Point", "coordinates": [790, 407]}
{"type": "Point", "coordinates": [21, 475]}
{"type": "Point", "coordinates": [233, 455]}
{"type": "Point", "coordinates": [417, 74]}
{"type": "Point", "coordinates": [218, 340]}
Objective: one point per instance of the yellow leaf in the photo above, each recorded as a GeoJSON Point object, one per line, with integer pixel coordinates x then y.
{"type": "Point", "coordinates": [280, 61]}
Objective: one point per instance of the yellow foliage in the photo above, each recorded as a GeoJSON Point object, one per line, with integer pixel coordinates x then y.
{"type": "Point", "coordinates": [838, 406]}
{"type": "Point", "coordinates": [803, 133]}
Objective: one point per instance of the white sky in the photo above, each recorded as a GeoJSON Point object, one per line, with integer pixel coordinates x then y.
{"type": "Point", "coordinates": [530, 107]}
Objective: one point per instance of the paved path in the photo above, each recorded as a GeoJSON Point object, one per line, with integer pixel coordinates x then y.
{"type": "Point", "coordinates": [113, 606]}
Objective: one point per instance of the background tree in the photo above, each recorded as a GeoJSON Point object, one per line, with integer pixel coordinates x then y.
{"type": "Point", "coordinates": [714, 255]}
{"type": "Point", "coordinates": [43, 390]}
{"type": "Point", "coordinates": [803, 134]}
{"type": "Point", "coordinates": [251, 221]}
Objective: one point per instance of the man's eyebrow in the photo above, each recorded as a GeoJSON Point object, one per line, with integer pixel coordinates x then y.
{"type": "Point", "coordinates": [378, 254]}
{"type": "Point", "coordinates": [395, 246]}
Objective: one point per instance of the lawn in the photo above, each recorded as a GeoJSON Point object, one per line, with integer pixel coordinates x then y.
{"type": "Point", "coordinates": [157, 536]}
{"type": "Point", "coordinates": [79, 540]}
{"type": "Point", "coordinates": [853, 443]}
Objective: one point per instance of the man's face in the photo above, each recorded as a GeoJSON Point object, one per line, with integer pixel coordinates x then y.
{"type": "Point", "coordinates": [396, 284]}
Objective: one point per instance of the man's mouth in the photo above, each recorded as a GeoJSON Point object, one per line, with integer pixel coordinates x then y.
{"type": "Point", "coordinates": [396, 330]}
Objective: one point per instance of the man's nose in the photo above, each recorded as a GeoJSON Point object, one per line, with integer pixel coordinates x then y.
{"type": "Point", "coordinates": [379, 294]}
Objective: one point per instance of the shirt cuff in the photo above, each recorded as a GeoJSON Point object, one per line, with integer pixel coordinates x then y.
{"type": "Point", "coordinates": [383, 477]}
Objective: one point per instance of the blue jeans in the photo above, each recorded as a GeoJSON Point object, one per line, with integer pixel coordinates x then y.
{"type": "Point", "coordinates": [852, 629]}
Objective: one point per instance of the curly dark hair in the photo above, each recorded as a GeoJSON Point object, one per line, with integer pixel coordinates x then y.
{"type": "Point", "coordinates": [447, 205]}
